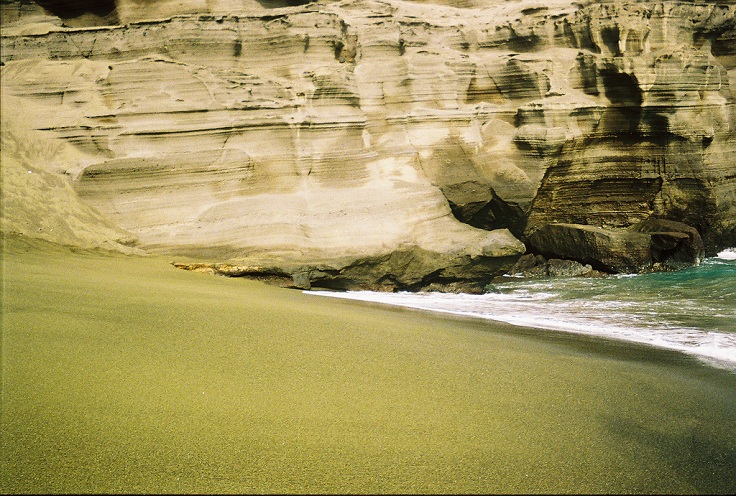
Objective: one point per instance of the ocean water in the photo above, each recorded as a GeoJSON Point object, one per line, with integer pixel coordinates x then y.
{"type": "Point", "coordinates": [692, 310]}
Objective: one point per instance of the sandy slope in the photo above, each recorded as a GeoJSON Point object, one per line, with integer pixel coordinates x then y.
{"type": "Point", "coordinates": [37, 197]}
{"type": "Point", "coordinates": [123, 374]}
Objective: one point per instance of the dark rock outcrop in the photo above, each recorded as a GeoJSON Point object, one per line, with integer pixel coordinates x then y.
{"type": "Point", "coordinates": [610, 250]}
{"type": "Point", "coordinates": [531, 266]}
{"type": "Point", "coordinates": [654, 244]}
{"type": "Point", "coordinates": [674, 245]}
{"type": "Point", "coordinates": [408, 270]}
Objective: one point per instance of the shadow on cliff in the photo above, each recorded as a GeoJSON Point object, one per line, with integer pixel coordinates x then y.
{"type": "Point", "coordinates": [74, 8]}
{"type": "Point", "coordinates": [622, 90]}
{"type": "Point", "coordinates": [275, 4]}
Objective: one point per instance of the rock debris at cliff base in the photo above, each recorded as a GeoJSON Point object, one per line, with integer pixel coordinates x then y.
{"type": "Point", "coordinates": [348, 133]}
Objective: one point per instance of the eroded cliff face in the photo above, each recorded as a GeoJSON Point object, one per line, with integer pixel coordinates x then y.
{"type": "Point", "coordinates": [339, 132]}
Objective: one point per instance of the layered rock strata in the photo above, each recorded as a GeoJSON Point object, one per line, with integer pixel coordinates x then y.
{"type": "Point", "coordinates": [347, 135]}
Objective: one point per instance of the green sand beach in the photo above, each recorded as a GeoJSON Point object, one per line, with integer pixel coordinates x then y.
{"type": "Point", "coordinates": [124, 374]}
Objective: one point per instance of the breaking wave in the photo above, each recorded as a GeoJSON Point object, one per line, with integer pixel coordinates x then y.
{"type": "Point", "coordinates": [692, 310]}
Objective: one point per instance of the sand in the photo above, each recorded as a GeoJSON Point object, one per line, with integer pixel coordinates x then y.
{"type": "Point", "coordinates": [123, 374]}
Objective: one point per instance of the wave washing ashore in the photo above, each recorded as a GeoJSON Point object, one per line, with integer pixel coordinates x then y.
{"type": "Point", "coordinates": [692, 310]}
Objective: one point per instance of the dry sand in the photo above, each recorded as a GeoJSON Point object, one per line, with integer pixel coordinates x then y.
{"type": "Point", "coordinates": [124, 374]}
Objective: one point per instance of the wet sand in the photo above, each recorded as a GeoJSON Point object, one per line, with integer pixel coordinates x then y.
{"type": "Point", "coordinates": [124, 374]}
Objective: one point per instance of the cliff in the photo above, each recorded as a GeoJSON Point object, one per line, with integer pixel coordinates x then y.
{"type": "Point", "coordinates": [375, 143]}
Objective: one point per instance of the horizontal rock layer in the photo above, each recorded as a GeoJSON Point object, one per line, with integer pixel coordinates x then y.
{"type": "Point", "coordinates": [227, 129]}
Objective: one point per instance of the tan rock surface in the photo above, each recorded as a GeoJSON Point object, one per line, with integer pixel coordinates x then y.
{"type": "Point", "coordinates": [227, 129]}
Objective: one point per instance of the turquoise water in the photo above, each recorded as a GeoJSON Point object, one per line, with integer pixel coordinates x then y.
{"type": "Point", "coordinates": [693, 310]}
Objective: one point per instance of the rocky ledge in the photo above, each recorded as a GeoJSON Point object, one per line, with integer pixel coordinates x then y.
{"type": "Point", "coordinates": [378, 144]}
{"type": "Point", "coordinates": [407, 270]}
{"type": "Point", "coordinates": [654, 244]}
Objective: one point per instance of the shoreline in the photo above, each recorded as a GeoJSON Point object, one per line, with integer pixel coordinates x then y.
{"type": "Point", "coordinates": [552, 332]}
{"type": "Point", "coordinates": [125, 374]}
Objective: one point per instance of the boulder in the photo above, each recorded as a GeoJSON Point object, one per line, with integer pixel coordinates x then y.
{"type": "Point", "coordinates": [567, 268]}
{"type": "Point", "coordinates": [530, 265]}
{"type": "Point", "coordinates": [654, 244]}
{"type": "Point", "coordinates": [609, 250]}
{"type": "Point", "coordinates": [536, 266]}
{"type": "Point", "coordinates": [674, 245]}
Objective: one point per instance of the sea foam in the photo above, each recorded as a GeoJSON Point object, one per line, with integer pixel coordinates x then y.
{"type": "Point", "coordinates": [727, 254]}
{"type": "Point", "coordinates": [691, 311]}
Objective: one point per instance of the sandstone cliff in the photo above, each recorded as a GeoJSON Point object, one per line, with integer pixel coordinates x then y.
{"type": "Point", "coordinates": [331, 137]}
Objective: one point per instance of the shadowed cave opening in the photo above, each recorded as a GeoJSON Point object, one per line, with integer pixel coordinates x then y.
{"type": "Point", "coordinates": [275, 4]}
{"type": "Point", "coordinates": [494, 214]}
{"type": "Point", "coordinates": [67, 9]}
{"type": "Point", "coordinates": [621, 88]}
{"type": "Point", "coordinates": [610, 37]}
{"type": "Point", "coordinates": [626, 98]}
